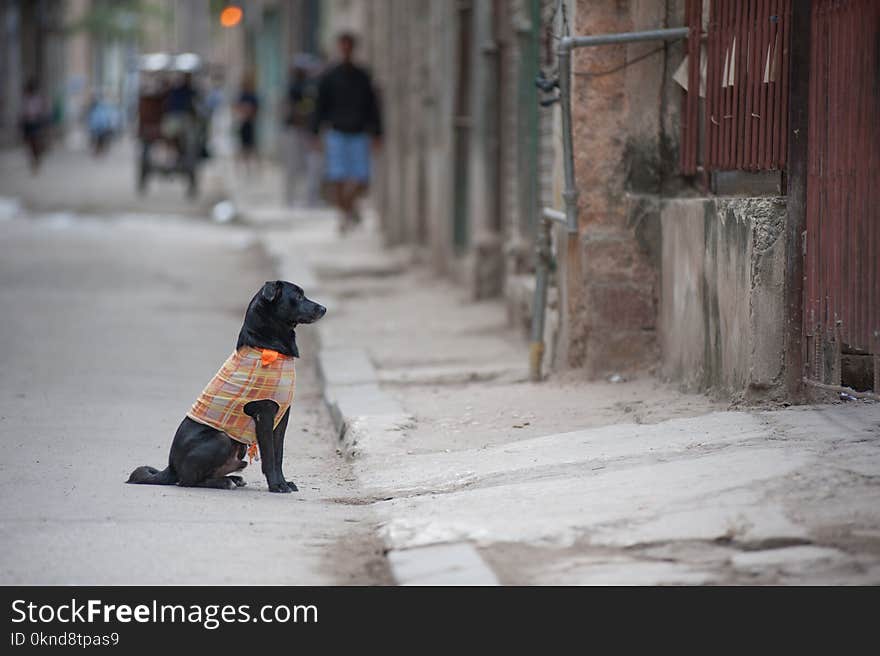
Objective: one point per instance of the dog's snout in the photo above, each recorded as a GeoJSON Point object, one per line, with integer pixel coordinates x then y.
{"type": "Point", "coordinates": [311, 312]}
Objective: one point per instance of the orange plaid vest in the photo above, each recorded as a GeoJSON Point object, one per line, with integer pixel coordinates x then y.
{"type": "Point", "coordinates": [249, 374]}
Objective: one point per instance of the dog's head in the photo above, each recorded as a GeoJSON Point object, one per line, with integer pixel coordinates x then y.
{"type": "Point", "coordinates": [272, 315]}
{"type": "Point", "coordinates": [287, 303]}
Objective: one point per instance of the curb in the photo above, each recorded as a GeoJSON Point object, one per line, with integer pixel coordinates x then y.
{"type": "Point", "coordinates": [366, 418]}
{"type": "Point", "coordinates": [457, 563]}
{"type": "Point", "coordinates": [363, 414]}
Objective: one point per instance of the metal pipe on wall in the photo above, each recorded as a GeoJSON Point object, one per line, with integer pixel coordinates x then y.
{"type": "Point", "coordinates": [569, 193]}
{"type": "Point", "coordinates": [563, 53]}
{"type": "Point", "coordinates": [543, 246]}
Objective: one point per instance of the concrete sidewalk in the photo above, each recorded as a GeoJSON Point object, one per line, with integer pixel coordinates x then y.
{"type": "Point", "coordinates": [480, 476]}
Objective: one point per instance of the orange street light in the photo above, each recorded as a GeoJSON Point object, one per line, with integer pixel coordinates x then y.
{"type": "Point", "coordinates": [230, 16]}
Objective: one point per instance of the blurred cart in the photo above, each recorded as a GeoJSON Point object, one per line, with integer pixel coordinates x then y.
{"type": "Point", "coordinates": [172, 141]}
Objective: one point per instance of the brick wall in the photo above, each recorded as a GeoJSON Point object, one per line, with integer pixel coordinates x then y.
{"type": "Point", "coordinates": [612, 265]}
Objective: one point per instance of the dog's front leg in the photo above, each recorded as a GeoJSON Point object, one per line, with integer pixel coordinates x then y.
{"type": "Point", "coordinates": [263, 413]}
{"type": "Point", "coordinates": [278, 443]}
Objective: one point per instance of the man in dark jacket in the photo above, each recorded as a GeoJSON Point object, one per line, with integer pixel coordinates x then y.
{"type": "Point", "coordinates": [348, 108]}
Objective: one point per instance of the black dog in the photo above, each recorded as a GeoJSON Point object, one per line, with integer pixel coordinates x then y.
{"type": "Point", "coordinates": [202, 456]}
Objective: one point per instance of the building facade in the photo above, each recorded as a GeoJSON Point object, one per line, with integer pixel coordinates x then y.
{"type": "Point", "coordinates": [32, 47]}
{"type": "Point", "coordinates": [468, 156]}
{"type": "Point", "coordinates": [75, 48]}
{"type": "Point", "coordinates": [702, 251]}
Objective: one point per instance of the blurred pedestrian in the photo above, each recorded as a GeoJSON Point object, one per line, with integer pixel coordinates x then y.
{"type": "Point", "coordinates": [348, 107]}
{"type": "Point", "coordinates": [301, 173]}
{"type": "Point", "coordinates": [103, 122]}
{"type": "Point", "coordinates": [180, 119]}
{"type": "Point", "coordinates": [247, 108]}
{"type": "Point", "coordinates": [34, 120]}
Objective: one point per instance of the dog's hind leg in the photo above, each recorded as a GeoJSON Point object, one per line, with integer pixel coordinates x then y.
{"type": "Point", "coordinates": [206, 457]}
{"type": "Point", "coordinates": [233, 464]}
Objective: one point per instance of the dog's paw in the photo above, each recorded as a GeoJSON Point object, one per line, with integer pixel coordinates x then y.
{"type": "Point", "coordinates": [238, 480]}
{"type": "Point", "coordinates": [292, 486]}
{"type": "Point", "coordinates": [279, 487]}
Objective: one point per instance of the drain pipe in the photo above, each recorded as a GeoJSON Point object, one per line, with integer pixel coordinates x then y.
{"type": "Point", "coordinates": [543, 246]}
{"type": "Point", "coordinates": [544, 265]}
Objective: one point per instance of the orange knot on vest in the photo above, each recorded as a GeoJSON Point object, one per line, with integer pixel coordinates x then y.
{"type": "Point", "coordinates": [268, 356]}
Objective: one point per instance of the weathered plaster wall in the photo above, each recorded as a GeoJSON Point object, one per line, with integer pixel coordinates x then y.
{"type": "Point", "coordinates": [682, 297]}
{"type": "Point", "coordinates": [721, 314]}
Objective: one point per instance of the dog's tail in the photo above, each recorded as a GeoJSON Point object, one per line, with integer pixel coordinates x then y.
{"type": "Point", "coordinates": [147, 475]}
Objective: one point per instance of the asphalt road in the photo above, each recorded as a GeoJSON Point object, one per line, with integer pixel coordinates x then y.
{"type": "Point", "coordinates": [109, 328]}
{"type": "Point", "coordinates": [75, 181]}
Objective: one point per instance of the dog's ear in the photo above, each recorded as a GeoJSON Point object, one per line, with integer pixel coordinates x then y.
{"type": "Point", "coordinates": [271, 290]}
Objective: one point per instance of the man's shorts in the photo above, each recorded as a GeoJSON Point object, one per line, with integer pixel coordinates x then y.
{"type": "Point", "coordinates": [346, 156]}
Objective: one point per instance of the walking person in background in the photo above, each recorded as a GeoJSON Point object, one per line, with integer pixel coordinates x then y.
{"type": "Point", "coordinates": [34, 118]}
{"type": "Point", "coordinates": [348, 107]}
{"type": "Point", "coordinates": [299, 107]}
{"type": "Point", "coordinates": [247, 108]}
{"type": "Point", "coordinates": [102, 122]}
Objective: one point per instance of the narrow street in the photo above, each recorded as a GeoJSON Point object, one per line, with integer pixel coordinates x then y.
{"type": "Point", "coordinates": [450, 460]}
{"type": "Point", "coordinates": [112, 323]}
{"type": "Point", "coordinates": [599, 286]}
{"type": "Point", "coordinates": [422, 452]}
